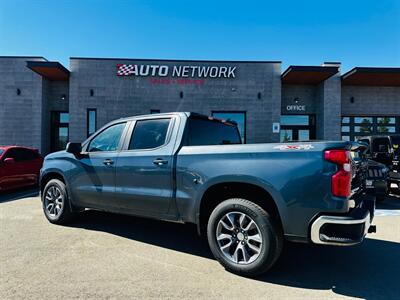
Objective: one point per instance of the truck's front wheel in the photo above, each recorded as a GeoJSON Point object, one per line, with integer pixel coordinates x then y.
{"type": "Point", "coordinates": [243, 237]}
{"type": "Point", "coordinates": [55, 202]}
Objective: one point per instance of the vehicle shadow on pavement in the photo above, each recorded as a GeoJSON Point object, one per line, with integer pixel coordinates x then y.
{"type": "Point", "coordinates": [370, 270]}
{"type": "Point", "coordinates": [391, 202]}
{"type": "Point", "coordinates": [182, 238]}
{"type": "Point", "coordinates": [18, 194]}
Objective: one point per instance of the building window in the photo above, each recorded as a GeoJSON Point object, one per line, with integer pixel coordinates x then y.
{"type": "Point", "coordinates": [297, 128]}
{"type": "Point", "coordinates": [59, 130]}
{"type": "Point", "coordinates": [239, 117]}
{"type": "Point", "coordinates": [298, 120]}
{"type": "Point", "coordinates": [345, 129]}
{"type": "Point", "coordinates": [355, 127]}
{"type": "Point", "coordinates": [91, 121]}
{"type": "Point", "coordinates": [345, 120]}
{"type": "Point", "coordinates": [155, 111]}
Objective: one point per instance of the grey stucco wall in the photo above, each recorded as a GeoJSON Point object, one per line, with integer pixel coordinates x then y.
{"type": "Point", "coordinates": [116, 97]}
{"type": "Point", "coordinates": [371, 100]}
{"type": "Point", "coordinates": [20, 115]}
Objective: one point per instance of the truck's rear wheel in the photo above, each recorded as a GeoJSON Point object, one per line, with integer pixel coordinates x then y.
{"type": "Point", "coordinates": [243, 237]}
{"type": "Point", "coordinates": [55, 201]}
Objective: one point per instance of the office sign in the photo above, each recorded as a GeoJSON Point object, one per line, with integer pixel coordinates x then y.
{"type": "Point", "coordinates": [295, 107]}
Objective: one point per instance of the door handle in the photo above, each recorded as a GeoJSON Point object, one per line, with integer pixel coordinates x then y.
{"type": "Point", "coordinates": [160, 162]}
{"type": "Point", "coordinates": [108, 162]}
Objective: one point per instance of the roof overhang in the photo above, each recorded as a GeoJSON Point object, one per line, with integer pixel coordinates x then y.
{"type": "Point", "coordinates": [372, 76]}
{"type": "Point", "coordinates": [50, 70]}
{"type": "Point", "coordinates": [308, 74]}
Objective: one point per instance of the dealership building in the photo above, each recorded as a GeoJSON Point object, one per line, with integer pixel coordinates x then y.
{"type": "Point", "coordinates": [44, 104]}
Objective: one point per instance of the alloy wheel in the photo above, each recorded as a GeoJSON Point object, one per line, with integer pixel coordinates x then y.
{"type": "Point", "coordinates": [239, 238]}
{"type": "Point", "coordinates": [53, 201]}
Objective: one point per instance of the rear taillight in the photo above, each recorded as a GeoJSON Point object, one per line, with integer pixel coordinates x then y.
{"type": "Point", "coordinates": [341, 180]}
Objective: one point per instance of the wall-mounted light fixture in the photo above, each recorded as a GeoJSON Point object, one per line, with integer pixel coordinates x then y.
{"type": "Point", "coordinates": [18, 92]}
{"type": "Point", "coordinates": [296, 100]}
{"type": "Point", "coordinates": [63, 97]}
{"type": "Point", "coordinates": [181, 94]}
{"type": "Point", "coordinates": [351, 99]}
{"type": "Point", "coordinates": [259, 96]}
{"type": "Point", "coordinates": [91, 93]}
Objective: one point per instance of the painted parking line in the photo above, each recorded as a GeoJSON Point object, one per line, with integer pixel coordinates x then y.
{"type": "Point", "coordinates": [387, 212]}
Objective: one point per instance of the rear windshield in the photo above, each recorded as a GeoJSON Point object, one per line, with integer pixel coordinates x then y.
{"type": "Point", "coordinates": [208, 132]}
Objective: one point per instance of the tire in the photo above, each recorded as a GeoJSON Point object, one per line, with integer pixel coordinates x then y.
{"type": "Point", "coordinates": [55, 192]}
{"type": "Point", "coordinates": [268, 242]}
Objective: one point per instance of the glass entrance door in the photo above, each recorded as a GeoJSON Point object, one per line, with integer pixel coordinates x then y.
{"type": "Point", "coordinates": [59, 130]}
{"type": "Point", "coordinates": [297, 128]}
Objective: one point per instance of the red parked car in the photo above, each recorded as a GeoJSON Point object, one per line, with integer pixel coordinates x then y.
{"type": "Point", "coordinates": [19, 167]}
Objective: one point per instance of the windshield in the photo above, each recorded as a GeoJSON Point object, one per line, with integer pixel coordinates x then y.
{"type": "Point", "coordinates": [1, 151]}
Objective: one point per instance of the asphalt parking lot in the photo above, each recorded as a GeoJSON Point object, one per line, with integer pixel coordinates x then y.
{"type": "Point", "coordinates": [111, 256]}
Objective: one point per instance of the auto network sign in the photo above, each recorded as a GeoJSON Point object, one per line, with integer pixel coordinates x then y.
{"type": "Point", "coordinates": [176, 71]}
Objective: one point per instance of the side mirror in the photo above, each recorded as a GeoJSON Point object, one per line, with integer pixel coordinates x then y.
{"type": "Point", "coordinates": [9, 160]}
{"type": "Point", "coordinates": [74, 148]}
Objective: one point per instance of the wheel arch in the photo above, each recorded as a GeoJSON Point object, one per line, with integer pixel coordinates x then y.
{"type": "Point", "coordinates": [45, 178]}
{"type": "Point", "coordinates": [257, 193]}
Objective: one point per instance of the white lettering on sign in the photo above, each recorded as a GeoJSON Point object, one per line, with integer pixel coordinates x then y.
{"type": "Point", "coordinates": [176, 71]}
{"type": "Point", "coordinates": [295, 107]}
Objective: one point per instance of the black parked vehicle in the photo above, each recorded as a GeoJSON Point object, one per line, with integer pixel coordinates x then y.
{"type": "Point", "coordinates": [394, 174]}
{"type": "Point", "coordinates": [385, 150]}
{"type": "Point", "coordinates": [377, 180]}
{"type": "Point", "coordinates": [371, 175]}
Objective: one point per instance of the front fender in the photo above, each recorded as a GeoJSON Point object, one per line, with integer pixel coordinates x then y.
{"type": "Point", "coordinates": [55, 169]}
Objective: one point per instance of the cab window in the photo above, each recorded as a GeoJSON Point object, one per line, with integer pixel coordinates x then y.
{"type": "Point", "coordinates": [108, 139]}
{"type": "Point", "coordinates": [211, 132]}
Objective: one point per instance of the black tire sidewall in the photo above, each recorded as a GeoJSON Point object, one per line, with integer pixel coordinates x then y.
{"type": "Point", "coordinates": [262, 219]}
{"type": "Point", "coordinates": [65, 212]}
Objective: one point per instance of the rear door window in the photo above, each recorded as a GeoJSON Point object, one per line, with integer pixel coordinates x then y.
{"type": "Point", "coordinates": [149, 134]}
{"type": "Point", "coordinates": [27, 154]}
{"type": "Point", "coordinates": [21, 155]}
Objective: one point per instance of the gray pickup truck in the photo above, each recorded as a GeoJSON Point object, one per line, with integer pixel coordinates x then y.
{"type": "Point", "coordinates": [247, 199]}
